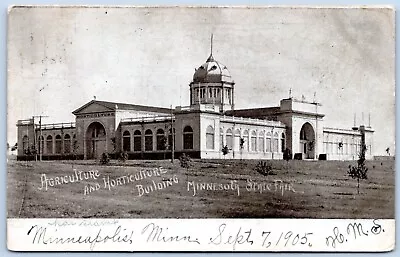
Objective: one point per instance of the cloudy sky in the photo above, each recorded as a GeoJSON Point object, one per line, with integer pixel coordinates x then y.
{"type": "Point", "coordinates": [60, 58]}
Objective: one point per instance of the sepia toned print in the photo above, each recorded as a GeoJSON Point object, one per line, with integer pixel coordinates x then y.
{"type": "Point", "coordinates": [194, 112]}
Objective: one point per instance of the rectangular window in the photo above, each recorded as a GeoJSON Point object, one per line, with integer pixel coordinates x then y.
{"type": "Point", "coordinates": [229, 140]}
{"type": "Point", "coordinates": [148, 143]}
{"type": "Point", "coordinates": [137, 144]}
{"type": "Point", "coordinates": [261, 144]}
{"type": "Point", "coordinates": [275, 145]}
{"type": "Point", "coordinates": [210, 141]}
{"type": "Point", "coordinates": [268, 144]}
{"type": "Point", "coordinates": [253, 144]}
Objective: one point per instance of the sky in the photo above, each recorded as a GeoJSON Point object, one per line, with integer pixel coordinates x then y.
{"type": "Point", "coordinates": [60, 58]}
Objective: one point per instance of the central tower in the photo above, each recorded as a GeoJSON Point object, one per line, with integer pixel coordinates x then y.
{"type": "Point", "coordinates": [212, 85]}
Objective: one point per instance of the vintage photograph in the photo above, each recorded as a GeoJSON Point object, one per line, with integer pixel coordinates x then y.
{"type": "Point", "coordinates": [198, 112]}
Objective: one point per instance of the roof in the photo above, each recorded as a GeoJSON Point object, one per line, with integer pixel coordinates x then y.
{"type": "Point", "coordinates": [113, 106]}
{"type": "Point", "coordinates": [255, 112]}
{"type": "Point", "coordinates": [212, 71]}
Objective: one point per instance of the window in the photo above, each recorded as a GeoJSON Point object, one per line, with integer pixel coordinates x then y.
{"type": "Point", "coordinates": [303, 134]}
{"type": "Point", "coordinates": [25, 144]}
{"type": "Point", "coordinates": [58, 144]}
{"type": "Point", "coordinates": [210, 137]}
{"type": "Point", "coordinates": [229, 138]}
{"type": "Point", "coordinates": [126, 141]}
{"type": "Point", "coordinates": [188, 138]}
{"type": "Point", "coordinates": [67, 143]}
{"type": "Point", "coordinates": [261, 147]}
{"type": "Point", "coordinates": [148, 140]}
{"type": "Point", "coordinates": [253, 141]}
{"type": "Point", "coordinates": [161, 140]}
{"type": "Point", "coordinates": [268, 142]}
{"type": "Point", "coordinates": [74, 143]}
{"type": "Point", "coordinates": [49, 144]}
{"type": "Point", "coordinates": [283, 146]}
{"type": "Point", "coordinates": [275, 143]}
{"type": "Point", "coordinates": [246, 140]}
{"type": "Point", "coordinates": [137, 141]}
{"type": "Point", "coordinates": [237, 140]}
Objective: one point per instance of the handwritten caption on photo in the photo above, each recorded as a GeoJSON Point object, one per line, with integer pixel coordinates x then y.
{"type": "Point", "coordinates": [209, 235]}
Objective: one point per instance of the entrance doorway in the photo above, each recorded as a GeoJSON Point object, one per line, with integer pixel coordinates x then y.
{"type": "Point", "coordinates": [307, 141]}
{"type": "Point", "coordinates": [96, 140]}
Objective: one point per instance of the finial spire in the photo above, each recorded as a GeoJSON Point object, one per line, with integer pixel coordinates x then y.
{"type": "Point", "coordinates": [211, 58]}
{"type": "Point", "coordinates": [211, 45]}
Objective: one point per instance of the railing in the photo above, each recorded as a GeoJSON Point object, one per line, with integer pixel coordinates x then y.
{"type": "Point", "coordinates": [25, 122]}
{"type": "Point", "coordinates": [149, 119]}
{"type": "Point", "coordinates": [183, 108]}
{"type": "Point", "coordinates": [340, 131]}
{"type": "Point", "coordinates": [250, 120]}
{"type": "Point", "coordinates": [57, 125]}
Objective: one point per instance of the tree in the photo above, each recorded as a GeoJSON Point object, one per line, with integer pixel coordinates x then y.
{"type": "Point", "coordinates": [114, 144]}
{"type": "Point", "coordinates": [105, 159]}
{"type": "Point", "coordinates": [122, 156]}
{"type": "Point", "coordinates": [360, 171]}
{"type": "Point", "coordinates": [287, 154]}
{"type": "Point", "coordinates": [241, 145]}
{"type": "Point", "coordinates": [185, 162]}
{"type": "Point", "coordinates": [225, 150]}
{"type": "Point", "coordinates": [264, 168]}
{"type": "Point", "coordinates": [164, 144]}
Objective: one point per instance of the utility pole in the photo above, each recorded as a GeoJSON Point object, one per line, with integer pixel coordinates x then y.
{"type": "Point", "coordinates": [173, 136]}
{"type": "Point", "coordinates": [40, 140]}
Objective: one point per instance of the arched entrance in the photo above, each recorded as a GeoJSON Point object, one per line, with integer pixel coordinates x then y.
{"type": "Point", "coordinates": [95, 140]}
{"type": "Point", "coordinates": [307, 141]}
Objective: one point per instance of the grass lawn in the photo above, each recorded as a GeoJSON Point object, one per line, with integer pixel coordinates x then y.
{"type": "Point", "coordinates": [310, 189]}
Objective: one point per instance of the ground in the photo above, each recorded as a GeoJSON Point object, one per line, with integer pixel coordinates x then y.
{"type": "Point", "coordinates": [308, 189]}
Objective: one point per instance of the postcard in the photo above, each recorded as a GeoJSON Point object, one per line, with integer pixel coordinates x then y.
{"type": "Point", "coordinates": [144, 128]}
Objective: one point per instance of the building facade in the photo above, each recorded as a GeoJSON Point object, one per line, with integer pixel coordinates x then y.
{"type": "Point", "coordinates": [202, 130]}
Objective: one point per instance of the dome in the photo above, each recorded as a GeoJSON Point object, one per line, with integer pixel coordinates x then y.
{"type": "Point", "coordinates": [212, 71]}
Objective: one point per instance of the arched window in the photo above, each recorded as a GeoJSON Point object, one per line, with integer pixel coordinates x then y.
{"type": "Point", "coordinates": [161, 140]}
{"type": "Point", "coordinates": [137, 141]}
{"type": "Point", "coordinates": [210, 137]}
{"type": "Point", "coordinates": [237, 139]}
{"type": "Point", "coordinates": [148, 140]}
{"type": "Point", "coordinates": [74, 144]}
{"type": "Point", "coordinates": [221, 137]}
{"type": "Point", "coordinates": [229, 138]}
{"type": "Point", "coordinates": [275, 143]}
{"type": "Point", "coordinates": [58, 144]}
{"type": "Point", "coordinates": [67, 143]}
{"type": "Point", "coordinates": [188, 137]}
{"type": "Point", "coordinates": [303, 135]}
{"type": "Point", "coordinates": [126, 141]}
{"type": "Point", "coordinates": [283, 146]}
{"type": "Point", "coordinates": [261, 147]}
{"type": "Point", "coordinates": [49, 144]}
{"type": "Point", "coordinates": [268, 142]}
{"type": "Point", "coordinates": [246, 140]}
{"type": "Point", "coordinates": [253, 141]}
{"type": "Point", "coordinates": [25, 144]}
